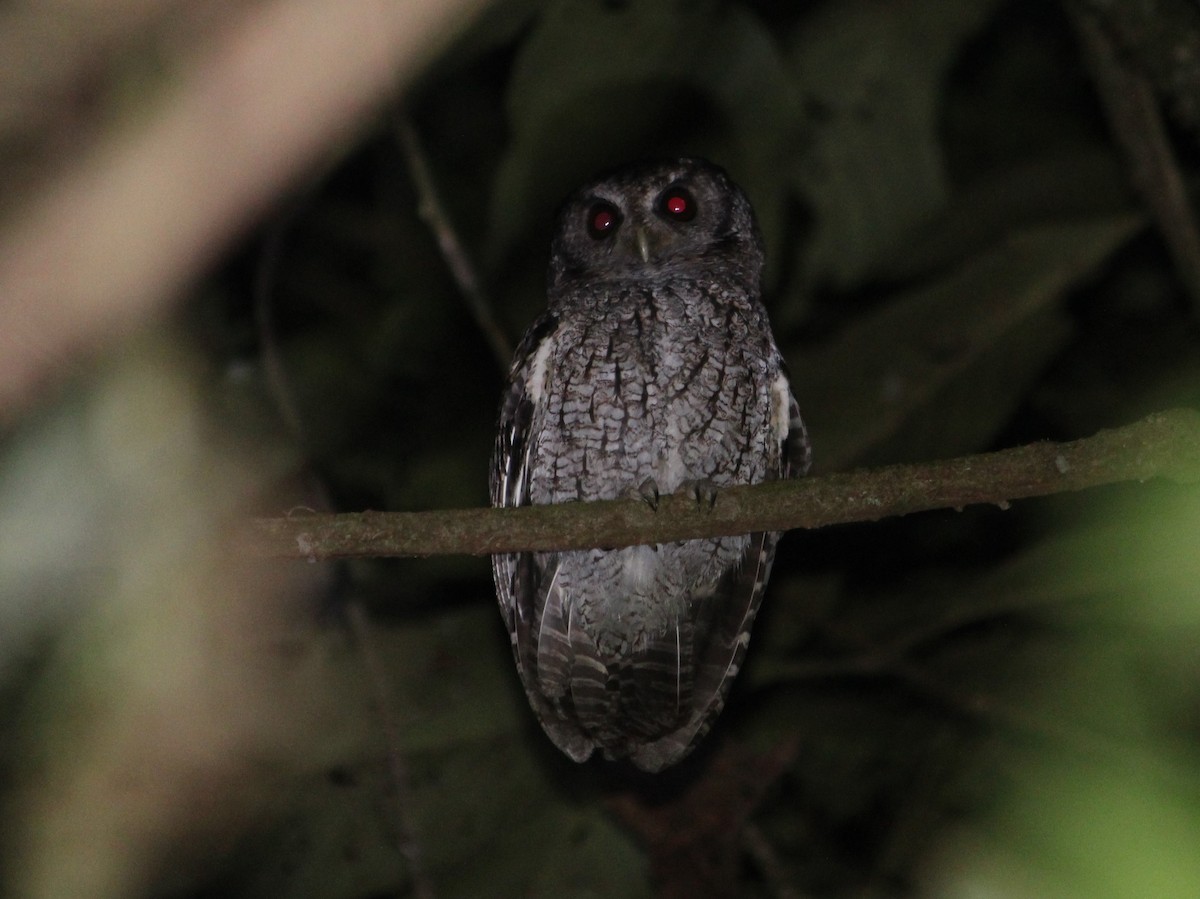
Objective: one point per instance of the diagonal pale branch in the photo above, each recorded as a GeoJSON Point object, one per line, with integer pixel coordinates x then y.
{"type": "Point", "coordinates": [1127, 93]}
{"type": "Point", "coordinates": [1163, 445]}
{"type": "Point", "coordinates": [148, 206]}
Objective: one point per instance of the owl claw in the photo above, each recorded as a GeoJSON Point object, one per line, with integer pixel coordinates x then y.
{"type": "Point", "coordinates": [648, 492]}
{"type": "Point", "coordinates": [704, 492]}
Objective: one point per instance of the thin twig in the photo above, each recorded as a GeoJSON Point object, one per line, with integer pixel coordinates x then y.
{"type": "Point", "coordinates": [1078, 739]}
{"type": "Point", "coordinates": [280, 388]}
{"type": "Point", "coordinates": [274, 369]}
{"type": "Point", "coordinates": [1163, 445]}
{"type": "Point", "coordinates": [1163, 36]}
{"type": "Point", "coordinates": [773, 870]}
{"type": "Point", "coordinates": [1133, 112]}
{"type": "Point", "coordinates": [694, 842]}
{"type": "Point", "coordinates": [406, 837]}
{"type": "Point", "coordinates": [434, 214]}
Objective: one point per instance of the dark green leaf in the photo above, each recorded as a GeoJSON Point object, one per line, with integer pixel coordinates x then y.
{"type": "Point", "coordinates": [937, 371]}
{"type": "Point", "coordinates": [871, 77]}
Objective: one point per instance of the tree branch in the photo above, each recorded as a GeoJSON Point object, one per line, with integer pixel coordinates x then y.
{"type": "Point", "coordinates": [150, 203]}
{"type": "Point", "coordinates": [434, 214]}
{"type": "Point", "coordinates": [1165, 444]}
{"type": "Point", "coordinates": [1163, 37]}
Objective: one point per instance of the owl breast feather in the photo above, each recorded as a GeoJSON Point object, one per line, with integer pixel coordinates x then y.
{"type": "Point", "coordinates": [672, 389]}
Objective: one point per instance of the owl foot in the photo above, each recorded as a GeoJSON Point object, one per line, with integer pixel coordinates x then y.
{"type": "Point", "coordinates": [704, 491]}
{"type": "Point", "coordinates": [647, 491]}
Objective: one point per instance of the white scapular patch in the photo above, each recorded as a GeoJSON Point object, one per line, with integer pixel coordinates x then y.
{"type": "Point", "coordinates": [539, 369]}
{"type": "Point", "coordinates": [781, 403]}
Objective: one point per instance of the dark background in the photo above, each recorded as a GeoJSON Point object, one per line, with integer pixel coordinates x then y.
{"type": "Point", "coordinates": [960, 260]}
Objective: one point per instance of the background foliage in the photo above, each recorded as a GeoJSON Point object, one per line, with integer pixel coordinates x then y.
{"type": "Point", "coordinates": [956, 703]}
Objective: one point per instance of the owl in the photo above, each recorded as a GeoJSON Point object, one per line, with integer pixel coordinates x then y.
{"type": "Point", "coordinates": [653, 370]}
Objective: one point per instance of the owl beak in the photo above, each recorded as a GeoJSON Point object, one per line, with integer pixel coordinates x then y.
{"type": "Point", "coordinates": [641, 240]}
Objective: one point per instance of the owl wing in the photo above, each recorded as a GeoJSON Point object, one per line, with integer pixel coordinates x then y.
{"type": "Point", "coordinates": [526, 583]}
{"type": "Point", "coordinates": [510, 472]}
{"type": "Point", "coordinates": [725, 619]}
{"type": "Point", "coordinates": [795, 448]}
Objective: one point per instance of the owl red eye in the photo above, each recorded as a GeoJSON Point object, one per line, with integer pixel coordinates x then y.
{"type": "Point", "coordinates": [602, 219]}
{"type": "Point", "coordinates": [678, 204]}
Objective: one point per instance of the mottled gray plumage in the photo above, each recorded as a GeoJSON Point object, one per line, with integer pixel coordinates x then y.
{"type": "Point", "coordinates": [653, 370]}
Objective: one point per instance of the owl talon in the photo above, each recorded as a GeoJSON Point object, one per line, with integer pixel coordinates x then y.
{"type": "Point", "coordinates": [704, 492]}
{"type": "Point", "coordinates": [647, 491]}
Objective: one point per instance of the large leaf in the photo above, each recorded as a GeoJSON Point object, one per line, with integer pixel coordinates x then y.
{"type": "Point", "coordinates": [495, 825]}
{"type": "Point", "coordinates": [1051, 685]}
{"type": "Point", "coordinates": [488, 816]}
{"type": "Point", "coordinates": [453, 681]}
{"type": "Point", "coordinates": [487, 820]}
{"type": "Point", "coordinates": [871, 75]}
{"type": "Point", "coordinates": [596, 85]}
{"type": "Point", "coordinates": [1106, 803]}
{"type": "Point", "coordinates": [938, 371]}
{"type": "Point", "coordinates": [589, 83]}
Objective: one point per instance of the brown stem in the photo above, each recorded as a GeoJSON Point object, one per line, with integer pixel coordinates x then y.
{"type": "Point", "coordinates": [768, 861]}
{"type": "Point", "coordinates": [1132, 108]}
{"type": "Point", "coordinates": [1163, 445]}
{"type": "Point", "coordinates": [435, 216]}
{"type": "Point", "coordinates": [402, 802]}
{"type": "Point", "coordinates": [1162, 37]}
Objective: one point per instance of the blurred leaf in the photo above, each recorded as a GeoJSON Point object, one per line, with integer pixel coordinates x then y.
{"type": "Point", "coordinates": [908, 381]}
{"type": "Point", "coordinates": [338, 843]}
{"type": "Point", "coordinates": [482, 800]}
{"type": "Point", "coordinates": [572, 110]}
{"type": "Point", "coordinates": [746, 75]}
{"type": "Point", "coordinates": [1106, 802]}
{"type": "Point", "coordinates": [1096, 832]}
{"type": "Point", "coordinates": [871, 78]}
{"type": "Point", "coordinates": [1085, 182]}
{"type": "Point", "coordinates": [169, 706]}
{"type": "Point", "coordinates": [496, 826]}
{"type": "Point", "coordinates": [1126, 821]}
{"type": "Point", "coordinates": [488, 822]}
{"type": "Point", "coordinates": [1053, 684]}
{"type": "Point", "coordinates": [497, 25]}
{"type": "Point", "coordinates": [1134, 363]}
{"type": "Point", "coordinates": [454, 680]}
{"type": "Point", "coordinates": [700, 78]}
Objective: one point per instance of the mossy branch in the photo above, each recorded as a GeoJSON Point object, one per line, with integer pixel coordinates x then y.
{"type": "Point", "coordinates": [1163, 445]}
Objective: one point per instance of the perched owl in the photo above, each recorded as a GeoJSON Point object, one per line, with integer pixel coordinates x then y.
{"type": "Point", "coordinates": [652, 371]}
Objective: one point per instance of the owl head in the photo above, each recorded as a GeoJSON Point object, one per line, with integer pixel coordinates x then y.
{"type": "Point", "coordinates": [680, 217]}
